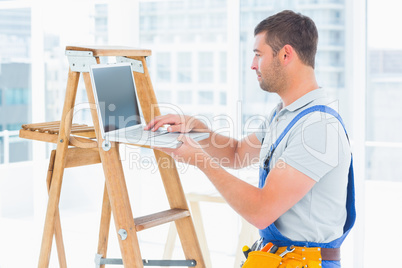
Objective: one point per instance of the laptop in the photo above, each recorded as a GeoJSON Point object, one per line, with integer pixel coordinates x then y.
{"type": "Point", "coordinates": [119, 111]}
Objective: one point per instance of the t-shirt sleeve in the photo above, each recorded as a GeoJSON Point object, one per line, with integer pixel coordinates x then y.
{"type": "Point", "coordinates": [316, 146]}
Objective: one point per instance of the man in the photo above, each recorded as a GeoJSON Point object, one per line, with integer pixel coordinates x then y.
{"type": "Point", "coordinates": [304, 197]}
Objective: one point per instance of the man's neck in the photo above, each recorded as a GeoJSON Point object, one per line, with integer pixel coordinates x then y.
{"type": "Point", "coordinates": [301, 84]}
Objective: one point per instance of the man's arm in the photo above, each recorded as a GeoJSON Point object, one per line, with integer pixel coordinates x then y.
{"type": "Point", "coordinates": [229, 152]}
{"type": "Point", "coordinates": [284, 187]}
{"type": "Point", "coordinates": [233, 153]}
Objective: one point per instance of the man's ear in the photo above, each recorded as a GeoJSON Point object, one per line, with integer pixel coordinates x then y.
{"type": "Point", "coordinates": [286, 54]}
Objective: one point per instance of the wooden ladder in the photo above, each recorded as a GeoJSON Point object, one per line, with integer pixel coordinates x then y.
{"type": "Point", "coordinates": [80, 145]}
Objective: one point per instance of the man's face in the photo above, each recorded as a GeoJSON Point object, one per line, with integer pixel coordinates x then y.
{"type": "Point", "coordinates": [267, 67]}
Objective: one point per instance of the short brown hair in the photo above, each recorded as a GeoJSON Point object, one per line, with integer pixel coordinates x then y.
{"type": "Point", "coordinates": [290, 28]}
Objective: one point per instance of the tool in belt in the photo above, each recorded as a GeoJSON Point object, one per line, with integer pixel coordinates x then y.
{"type": "Point", "coordinates": [291, 254]}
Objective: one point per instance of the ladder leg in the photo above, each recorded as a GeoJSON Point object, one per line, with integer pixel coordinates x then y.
{"type": "Point", "coordinates": [55, 189]}
{"type": "Point", "coordinates": [169, 174]}
{"type": "Point", "coordinates": [117, 191]}
{"type": "Point", "coordinates": [104, 225]}
{"type": "Point", "coordinates": [57, 228]}
{"type": "Point", "coordinates": [122, 214]}
{"type": "Point", "coordinates": [176, 198]}
{"type": "Point", "coordinates": [199, 227]}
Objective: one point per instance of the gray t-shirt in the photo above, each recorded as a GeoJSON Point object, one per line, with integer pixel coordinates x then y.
{"type": "Point", "coordinates": [318, 147]}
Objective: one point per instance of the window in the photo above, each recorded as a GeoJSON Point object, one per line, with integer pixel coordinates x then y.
{"type": "Point", "coordinates": [184, 97]}
{"type": "Point", "coordinates": [148, 23]}
{"type": "Point", "coordinates": [197, 56]}
{"type": "Point", "coordinates": [384, 94]}
{"type": "Point", "coordinates": [263, 3]}
{"type": "Point", "coordinates": [337, 16]}
{"type": "Point", "coordinates": [217, 20]}
{"type": "Point", "coordinates": [330, 79]}
{"type": "Point", "coordinates": [101, 23]}
{"type": "Point", "coordinates": [14, 126]}
{"type": "Point", "coordinates": [1, 150]}
{"type": "Point", "coordinates": [175, 5]}
{"type": "Point", "coordinates": [222, 67]}
{"type": "Point", "coordinates": [163, 21]}
{"type": "Point", "coordinates": [15, 81]}
{"type": "Point", "coordinates": [335, 38]}
{"type": "Point", "coordinates": [205, 97]}
{"type": "Point", "coordinates": [152, 23]}
{"type": "Point", "coordinates": [15, 33]}
{"type": "Point", "coordinates": [218, 3]}
{"type": "Point", "coordinates": [184, 67]}
{"type": "Point", "coordinates": [163, 66]}
{"type": "Point", "coordinates": [148, 6]}
{"type": "Point", "coordinates": [205, 67]}
{"type": "Point", "coordinates": [17, 96]}
{"type": "Point", "coordinates": [385, 62]}
{"type": "Point", "coordinates": [175, 22]}
{"type": "Point", "coordinates": [222, 98]}
{"type": "Point", "coordinates": [164, 96]}
{"type": "Point", "coordinates": [196, 3]}
{"type": "Point", "coordinates": [383, 114]}
{"type": "Point", "coordinates": [196, 21]}
{"type": "Point", "coordinates": [187, 38]}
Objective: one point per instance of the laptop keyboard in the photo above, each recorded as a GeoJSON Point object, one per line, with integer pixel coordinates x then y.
{"type": "Point", "coordinates": [145, 134]}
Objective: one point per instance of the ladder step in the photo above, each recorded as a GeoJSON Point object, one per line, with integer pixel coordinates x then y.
{"type": "Point", "coordinates": [104, 261]}
{"type": "Point", "coordinates": [54, 127]}
{"type": "Point", "coordinates": [152, 220]}
{"type": "Point", "coordinates": [48, 132]}
{"type": "Point", "coordinates": [38, 125]}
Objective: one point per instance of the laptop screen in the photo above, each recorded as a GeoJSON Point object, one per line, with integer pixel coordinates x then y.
{"type": "Point", "coordinates": [116, 96]}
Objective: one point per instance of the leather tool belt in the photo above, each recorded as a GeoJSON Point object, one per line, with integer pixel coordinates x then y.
{"type": "Point", "coordinates": [292, 257]}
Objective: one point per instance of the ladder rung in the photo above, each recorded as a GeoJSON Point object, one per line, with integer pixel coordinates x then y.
{"type": "Point", "coordinates": [102, 261]}
{"type": "Point", "coordinates": [54, 127]}
{"type": "Point", "coordinates": [27, 126]}
{"type": "Point", "coordinates": [48, 131]}
{"type": "Point", "coordinates": [152, 220]}
{"type": "Point", "coordinates": [80, 129]}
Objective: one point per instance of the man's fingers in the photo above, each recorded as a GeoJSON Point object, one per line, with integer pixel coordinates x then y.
{"type": "Point", "coordinates": [178, 128]}
{"type": "Point", "coordinates": [159, 121]}
{"type": "Point", "coordinates": [177, 123]}
{"type": "Point", "coordinates": [152, 122]}
{"type": "Point", "coordinates": [159, 124]}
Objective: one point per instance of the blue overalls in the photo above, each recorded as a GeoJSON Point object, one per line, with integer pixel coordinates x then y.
{"type": "Point", "coordinates": [271, 233]}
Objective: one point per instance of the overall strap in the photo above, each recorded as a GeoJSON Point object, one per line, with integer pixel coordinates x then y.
{"type": "Point", "coordinates": [316, 108]}
{"type": "Point", "coordinates": [271, 233]}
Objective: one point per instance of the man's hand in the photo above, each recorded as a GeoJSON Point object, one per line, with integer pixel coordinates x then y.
{"type": "Point", "coordinates": [229, 152]}
{"type": "Point", "coordinates": [178, 123]}
{"type": "Point", "coordinates": [190, 152]}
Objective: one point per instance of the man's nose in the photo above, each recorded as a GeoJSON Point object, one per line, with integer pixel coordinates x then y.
{"type": "Point", "coordinates": [254, 65]}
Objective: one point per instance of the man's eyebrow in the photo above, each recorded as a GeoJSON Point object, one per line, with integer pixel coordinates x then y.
{"type": "Point", "coordinates": [256, 50]}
